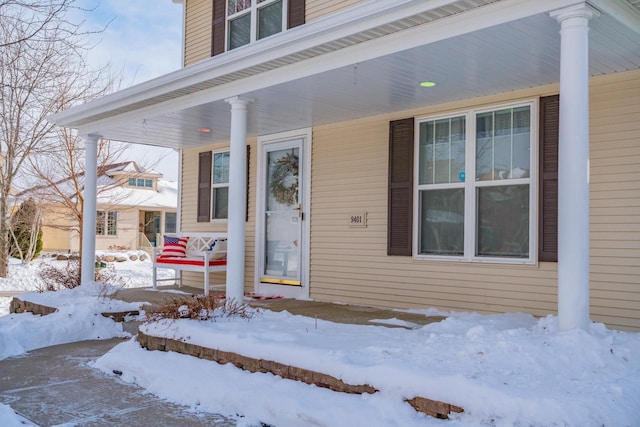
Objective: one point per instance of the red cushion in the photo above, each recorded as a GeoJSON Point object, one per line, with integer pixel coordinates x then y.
{"type": "Point", "coordinates": [190, 261]}
{"type": "Point", "coordinates": [174, 247]}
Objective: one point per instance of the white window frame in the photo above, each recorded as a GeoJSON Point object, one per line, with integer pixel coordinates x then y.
{"type": "Point", "coordinates": [253, 11]}
{"type": "Point", "coordinates": [106, 223]}
{"type": "Point", "coordinates": [214, 186]}
{"type": "Point", "coordinates": [470, 186]}
{"type": "Point", "coordinates": [175, 223]}
{"type": "Point", "coordinates": [141, 182]}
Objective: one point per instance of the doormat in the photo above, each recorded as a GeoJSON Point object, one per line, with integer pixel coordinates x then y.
{"type": "Point", "coordinates": [256, 297]}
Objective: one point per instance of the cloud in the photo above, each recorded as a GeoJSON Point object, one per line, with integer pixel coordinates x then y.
{"type": "Point", "coordinates": [143, 37]}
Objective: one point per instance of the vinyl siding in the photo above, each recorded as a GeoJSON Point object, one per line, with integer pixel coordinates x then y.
{"type": "Point", "coordinates": [316, 9]}
{"type": "Point", "coordinates": [56, 232]}
{"type": "Point", "coordinates": [126, 230]}
{"type": "Point", "coordinates": [189, 200]}
{"type": "Point", "coordinates": [350, 265]}
{"type": "Point", "coordinates": [56, 239]}
{"type": "Point", "coordinates": [198, 20]}
{"type": "Point", "coordinates": [615, 199]}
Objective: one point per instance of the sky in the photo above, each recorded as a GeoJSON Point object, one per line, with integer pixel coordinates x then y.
{"type": "Point", "coordinates": [143, 39]}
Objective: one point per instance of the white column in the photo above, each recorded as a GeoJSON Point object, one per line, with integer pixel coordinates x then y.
{"type": "Point", "coordinates": [237, 208]}
{"type": "Point", "coordinates": [573, 168]}
{"type": "Point", "coordinates": [88, 255]}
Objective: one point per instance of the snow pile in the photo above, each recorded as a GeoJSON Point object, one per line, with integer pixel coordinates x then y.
{"type": "Point", "coordinates": [78, 318]}
{"type": "Point", "coordinates": [25, 278]}
{"type": "Point", "coordinates": [504, 370]}
{"type": "Point", "coordinates": [10, 419]}
{"type": "Point", "coordinates": [22, 277]}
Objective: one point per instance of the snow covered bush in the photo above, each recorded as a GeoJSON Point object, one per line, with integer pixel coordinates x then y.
{"type": "Point", "coordinates": [67, 276]}
{"type": "Point", "coordinates": [201, 307]}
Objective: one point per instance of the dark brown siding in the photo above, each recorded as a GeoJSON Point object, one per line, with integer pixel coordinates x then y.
{"type": "Point", "coordinates": [400, 199]}
{"type": "Point", "coordinates": [204, 187]}
{"type": "Point", "coordinates": [295, 14]}
{"type": "Point", "coordinates": [548, 215]}
{"type": "Point", "coordinates": [218, 30]}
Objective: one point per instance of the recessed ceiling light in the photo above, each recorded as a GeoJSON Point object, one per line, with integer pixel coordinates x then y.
{"type": "Point", "coordinates": [204, 130]}
{"type": "Point", "coordinates": [427, 84]}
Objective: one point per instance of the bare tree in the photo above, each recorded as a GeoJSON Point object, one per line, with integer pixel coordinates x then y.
{"type": "Point", "coordinates": [38, 77]}
{"type": "Point", "coordinates": [40, 20]}
{"type": "Point", "coordinates": [60, 175]}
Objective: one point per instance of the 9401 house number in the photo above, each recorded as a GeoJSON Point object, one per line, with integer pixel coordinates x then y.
{"type": "Point", "coordinates": [358, 220]}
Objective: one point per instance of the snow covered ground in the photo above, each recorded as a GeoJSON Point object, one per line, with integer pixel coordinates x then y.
{"type": "Point", "coordinates": [504, 370]}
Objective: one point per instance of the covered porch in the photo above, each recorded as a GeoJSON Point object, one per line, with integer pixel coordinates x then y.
{"type": "Point", "coordinates": [370, 60]}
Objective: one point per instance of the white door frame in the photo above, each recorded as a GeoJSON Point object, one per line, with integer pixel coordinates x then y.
{"type": "Point", "coordinates": [305, 193]}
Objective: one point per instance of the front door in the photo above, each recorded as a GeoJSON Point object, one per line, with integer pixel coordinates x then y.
{"type": "Point", "coordinates": [281, 240]}
{"type": "Point", "coordinates": [151, 226]}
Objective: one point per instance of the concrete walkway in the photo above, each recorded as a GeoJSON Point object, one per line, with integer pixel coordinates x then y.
{"type": "Point", "coordinates": [55, 386]}
{"type": "Point", "coordinates": [340, 313]}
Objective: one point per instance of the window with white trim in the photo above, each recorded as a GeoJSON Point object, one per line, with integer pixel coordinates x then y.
{"type": "Point", "coordinates": [170, 221]}
{"type": "Point", "coordinates": [220, 186]}
{"type": "Point", "coordinates": [140, 182]}
{"type": "Point", "coordinates": [251, 20]}
{"type": "Point", "coordinates": [106, 223]}
{"type": "Point", "coordinates": [475, 192]}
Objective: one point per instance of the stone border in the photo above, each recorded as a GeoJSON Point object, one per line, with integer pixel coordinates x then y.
{"type": "Point", "coordinates": [19, 306]}
{"type": "Point", "coordinates": [434, 408]}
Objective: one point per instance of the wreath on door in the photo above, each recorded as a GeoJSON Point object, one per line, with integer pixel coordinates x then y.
{"type": "Point", "coordinates": [284, 179]}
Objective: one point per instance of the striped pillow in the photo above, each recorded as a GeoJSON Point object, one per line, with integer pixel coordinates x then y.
{"type": "Point", "coordinates": [174, 247]}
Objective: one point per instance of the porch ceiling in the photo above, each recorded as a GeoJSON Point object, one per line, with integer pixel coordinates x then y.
{"type": "Point", "coordinates": [519, 54]}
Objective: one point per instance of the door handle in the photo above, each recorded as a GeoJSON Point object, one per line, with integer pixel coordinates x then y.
{"type": "Point", "coordinates": [299, 209]}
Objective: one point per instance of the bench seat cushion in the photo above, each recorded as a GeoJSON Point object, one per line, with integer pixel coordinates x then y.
{"type": "Point", "coordinates": [189, 261]}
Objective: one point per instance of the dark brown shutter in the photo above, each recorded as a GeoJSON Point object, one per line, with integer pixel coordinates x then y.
{"type": "Point", "coordinates": [248, 176]}
{"type": "Point", "coordinates": [218, 27]}
{"type": "Point", "coordinates": [548, 215]}
{"type": "Point", "coordinates": [295, 14]}
{"type": "Point", "coordinates": [400, 199]}
{"type": "Point", "coordinates": [204, 187]}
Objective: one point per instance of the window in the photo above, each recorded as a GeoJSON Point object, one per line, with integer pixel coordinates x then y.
{"type": "Point", "coordinates": [474, 192]}
{"type": "Point", "coordinates": [170, 222]}
{"type": "Point", "coordinates": [140, 182]}
{"type": "Point", "coordinates": [251, 20]}
{"type": "Point", "coordinates": [220, 186]}
{"type": "Point", "coordinates": [106, 223]}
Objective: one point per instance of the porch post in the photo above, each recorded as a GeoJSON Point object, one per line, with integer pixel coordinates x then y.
{"type": "Point", "coordinates": [573, 168]}
{"type": "Point", "coordinates": [89, 209]}
{"type": "Point", "coordinates": [237, 199]}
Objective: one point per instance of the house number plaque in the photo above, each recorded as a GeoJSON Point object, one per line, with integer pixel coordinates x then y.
{"type": "Point", "coordinates": [358, 220]}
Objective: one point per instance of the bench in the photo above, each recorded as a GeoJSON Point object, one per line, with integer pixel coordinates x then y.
{"type": "Point", "coordinates": [202, 255]}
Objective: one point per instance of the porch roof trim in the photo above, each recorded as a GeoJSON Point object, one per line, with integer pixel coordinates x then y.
{"type": "Point", "coordinates": [364, 23]}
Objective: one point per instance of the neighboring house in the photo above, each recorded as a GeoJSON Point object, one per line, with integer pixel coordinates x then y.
{"type": "Point", "coordinates": [135, 207]}
{"type": "Point", "coordinates": [405, 153]}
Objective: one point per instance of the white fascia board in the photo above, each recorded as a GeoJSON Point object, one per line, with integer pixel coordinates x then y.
{"type": "Point", "coordinates": [298, 39]}
{"type": "Point", "coordinates": [332, 27]}
{"type": "Point", "coordinates": [620, 10]}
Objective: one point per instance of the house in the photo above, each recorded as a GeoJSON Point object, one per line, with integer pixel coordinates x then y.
{"type": "Point", "coordinates": [461, 154]}
{"type": "Point", "coordinates": [134, 208]}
